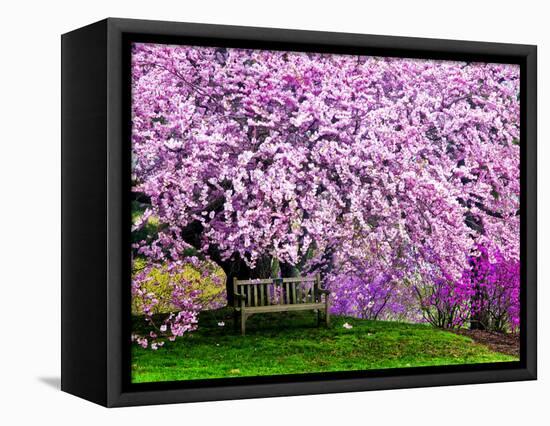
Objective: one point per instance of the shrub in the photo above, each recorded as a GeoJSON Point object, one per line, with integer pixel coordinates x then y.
{"type": "Point", "coordinates": [495, 285]}
{"type": "Point", "coordinates": [171, 295]}
{"type": "Point", "coordinates": [444, 303]}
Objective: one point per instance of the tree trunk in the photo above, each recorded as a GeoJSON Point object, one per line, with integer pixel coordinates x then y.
{"type": "Point", "coordinates": [235, 268]}
{"type": "Point", "coordinates": [288, 271]}
{"type": "Point", "coordinates": [478, 318]}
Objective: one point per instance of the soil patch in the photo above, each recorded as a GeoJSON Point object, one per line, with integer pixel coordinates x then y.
{"type": "Point", "coordinates": [498, 342]}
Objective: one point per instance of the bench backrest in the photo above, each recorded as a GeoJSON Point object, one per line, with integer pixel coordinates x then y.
{"type": "Point", "coordinates": [277, 291]}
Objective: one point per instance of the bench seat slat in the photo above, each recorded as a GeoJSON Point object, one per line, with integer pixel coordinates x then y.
{"type": "Point", "coordinates": [287, 293]}
{"type": "Point", "coordinates": [270, 280]}
{"type": "Point", "coordinates": [299, 279]}
{"type": "Point", "coordinates": [262, 295]}
{"type": "Point", "coordinates": [284, 308]}
{"type": "Point", "coordinates": [254, 282]}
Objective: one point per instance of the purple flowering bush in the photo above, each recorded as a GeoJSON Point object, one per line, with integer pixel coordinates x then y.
{"type": "Point", "coordinates": [378, 298]}
{"type": "Point", "coordinates": [495, 286]}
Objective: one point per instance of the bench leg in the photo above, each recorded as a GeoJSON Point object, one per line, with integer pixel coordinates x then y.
{"type": "Point", "coordinates": [243, 323]}
{"type": "Point", "coordinates": [235, 320]}
{"type": "Point", "coordinates": [327, 312]}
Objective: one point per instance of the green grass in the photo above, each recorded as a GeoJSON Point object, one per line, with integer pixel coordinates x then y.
{"type": "Point", "coordinates": [291, 343]}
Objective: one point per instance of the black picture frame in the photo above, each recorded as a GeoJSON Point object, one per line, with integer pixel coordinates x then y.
{"type": "Point", "coordinates": [95, 211]}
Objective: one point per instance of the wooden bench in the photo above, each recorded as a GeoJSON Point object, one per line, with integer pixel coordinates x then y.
{"type": "Point", "coordinates": [279, 295]}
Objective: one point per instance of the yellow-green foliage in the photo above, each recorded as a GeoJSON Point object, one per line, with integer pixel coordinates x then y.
{"type": "Point", "coordinates": [208, 279]}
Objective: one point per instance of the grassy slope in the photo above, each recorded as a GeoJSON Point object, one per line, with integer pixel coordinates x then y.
{"type": "Point", "coordinates": [291, 343]}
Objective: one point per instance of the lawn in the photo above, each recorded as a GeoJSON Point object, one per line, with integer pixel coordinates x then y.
{"type": "Point", "coordinates": [291, 343]}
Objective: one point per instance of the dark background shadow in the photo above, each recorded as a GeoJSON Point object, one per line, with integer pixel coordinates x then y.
{"type": "Point", "coordinates": [54, 382]}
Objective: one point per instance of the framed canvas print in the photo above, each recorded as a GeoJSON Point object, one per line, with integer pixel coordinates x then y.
{"type": "Point", "coordinates": [251, 212]}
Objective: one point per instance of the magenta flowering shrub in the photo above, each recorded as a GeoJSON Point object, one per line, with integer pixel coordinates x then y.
{"type": "Point", "coordinates": [495, 286]}
{"type": "Point", "coordinates": [445, 303]}
{"type": "Point", "coordinates": [487, 294]}
{"type": "Point", "coordinates": [384, 174]}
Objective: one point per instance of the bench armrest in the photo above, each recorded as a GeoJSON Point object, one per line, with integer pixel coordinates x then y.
{"type": "Point", "coordinates": [239, 296]}
{"type": "Point", "coordinates": [324, 291]}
